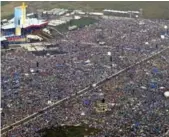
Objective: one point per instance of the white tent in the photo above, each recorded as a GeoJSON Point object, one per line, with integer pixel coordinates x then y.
{"type": "Point", "coordinates": [49, 102]}
{"type": "Point", "coordinates": [162, 87]}
{"type": "Point", "coordinates": [77, 17]}
{"type": "Point", "coordinates": [162, 37]}
{"type": "Point", "coordinates": [143, 87]}
{"type": "Point", "coordinates": [26, 74]}
{"type": "Point", "coordinates": [82, 114]}
{"type": "Point", "coordinates": [109, 53]}
{"type": "Point", "coordinates": [146, 43]}
{"type": "Point", "coordinates": [87, 61]}
{"type": "Point", "coordinates": [94, 85]}
{"type": "Point", "coordinates": [32, 70]}
{"type": "Point", "coordinates": [34, 37]}
{"type": "Point", "coordinates": [114, 65]}
{"type": "Point", "coordinates": [165, 27]}
{"type": "Point", "coordinates": [166, 94]}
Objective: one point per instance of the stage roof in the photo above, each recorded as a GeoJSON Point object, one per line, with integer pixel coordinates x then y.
{"type": "Point", "coordinates": [29, 22]}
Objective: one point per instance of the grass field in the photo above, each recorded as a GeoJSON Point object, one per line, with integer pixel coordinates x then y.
{"type": "Point", "coordinates": [155, 9]}
{"type": "Point", "coordinates": [79, 23]}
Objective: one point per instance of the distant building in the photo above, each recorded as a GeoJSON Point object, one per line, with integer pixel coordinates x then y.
{"type": "Point", "coordinates": [121, 13]}
{"type": "Point", "coordinates": [96, 13]}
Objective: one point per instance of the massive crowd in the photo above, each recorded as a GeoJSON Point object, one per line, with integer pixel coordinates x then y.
{"type": "Point", "coordinates": [28, 87]}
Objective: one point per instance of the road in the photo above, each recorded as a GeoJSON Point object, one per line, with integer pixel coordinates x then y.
{"type": "Point", "coordinates": [83, 91]}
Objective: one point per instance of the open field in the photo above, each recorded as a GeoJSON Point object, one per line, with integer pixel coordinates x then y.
{"type": "Point", "coordinates": [79, 23]}
{"type": "Point", "coordinates": [150, 9]}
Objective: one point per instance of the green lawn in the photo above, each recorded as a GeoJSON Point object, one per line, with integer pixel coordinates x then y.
{"type": "Point", "coordinates": [79, 23]}
{"type": "Point", "coordinates": [155, 9]}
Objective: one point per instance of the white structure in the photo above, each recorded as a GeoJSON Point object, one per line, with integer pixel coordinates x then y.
{"type": "Point", "coordinates": [47, 54]}
{"type": "Point", "coordinates": [165, 27]}
{"type": "Point", "coordinates": [162, 37]}
{"type": "Point", "coordinates": [166, 94]}
{"type": "Point", "coordinates": [146, 43]}
{"type": "Point", "coordinates": [28, 22]}
{"type": "Point", "coordinates": [121, 13]}
{"type": "Point", "coordinates": [77, 17]}
{"type": "Point", "coordinates": [4, 20]}
{"type": "Point", "coordinates": [72, 27]}
{"type": "Point", "coordinates": [49, 102]}
{"type": "Point", "coordinates": [3, 38]}
{"type": "Point", "coordinates": [26, 74]}
{"type": "Point", "coordinates": [96, 13]}
{"type": "Point", "coordinates": [56, 22]}
{"type": "Point", "coordinates": [44, 12]}
{"type": "Point", "coordinates": [78, 12]}
{"type": "Point", "coordinates": [114, 65]}
{"type": "Point", "coordinates": [143, 87]}
{"type": "Point", "coordinates": [124, 12]}
{"type": "Point", "coordinates": [94, 85]}
{"type": "Point", "coordinates": [36, 37]}
{"type": "Point", "coordinates": [82, 114]}
{"type": "Point", "coordinates": [87, 61]}
{"type": "Point", "coordinates": [47, 31]}
{"type": "Point", "coordinates": [102, 43]}
{"type": "Point", "coordinates": [162, 87]}
{"type": "Point", "coordinates": [109, 53]}
{"type": "Point", "coordinates": [32, 70]}
{"type": "Point", "coordinates": [30, 14]}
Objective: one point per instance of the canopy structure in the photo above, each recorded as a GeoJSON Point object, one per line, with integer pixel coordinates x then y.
{"type": "Point", "coordinates": [166, 94]}
{"type": "Point", "coordinates": [29, 22]}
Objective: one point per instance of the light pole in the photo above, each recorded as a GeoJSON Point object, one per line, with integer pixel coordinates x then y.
{"type": "Point", "coordinates": [166, 29]}
{"type": "Point", "coordinates": [141, 12]}
{"type": "Point", "coordinates": [110, 55]}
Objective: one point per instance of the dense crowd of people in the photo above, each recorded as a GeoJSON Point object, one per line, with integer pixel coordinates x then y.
{"type": "Point", "coordinates": [30, 82]}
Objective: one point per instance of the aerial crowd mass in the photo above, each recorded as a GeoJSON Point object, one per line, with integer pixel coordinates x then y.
{"type": "Point", "coordinates": [136, 102]}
